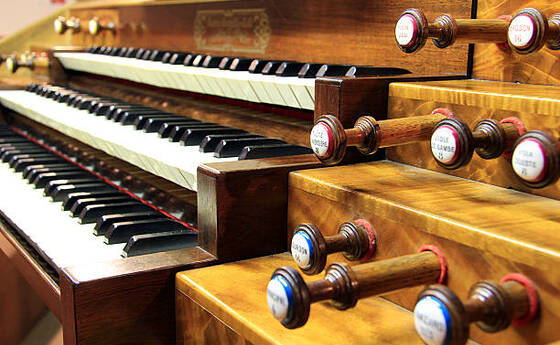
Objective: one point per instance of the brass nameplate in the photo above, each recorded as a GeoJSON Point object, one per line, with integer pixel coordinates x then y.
{"type": "Point", "coordinates": [243, 30]}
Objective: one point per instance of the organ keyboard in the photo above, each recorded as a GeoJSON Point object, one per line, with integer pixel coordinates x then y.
{"type": "Point", "coordinates": [208, 124]}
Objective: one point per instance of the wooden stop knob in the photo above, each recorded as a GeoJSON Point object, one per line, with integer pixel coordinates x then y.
{"type": "Point", "coordinates": [536, 159]}
{"type": "Point", "coordinates": [357, 240]}
{"type": "Point", "coordinates": [289, 297]}
{"type": "Point", "coordinates": [530, 30]}
{"type": "Point", "coordinates": [441, 318]}
{"type": "Point", "coordinates": [453, 143]}
{"type": "Point", "coordinates": [329, 139]}
{"type": "Point", "coordinates": [95, 26]}
{"type": "Point", "coordinates": [413, 29]}
{"type": "Point", "coordinates": [61, 25]}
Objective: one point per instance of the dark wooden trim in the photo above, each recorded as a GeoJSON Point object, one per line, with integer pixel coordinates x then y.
{"type": "Point", "coordinates": [242, 205]}
{"type": "Point", "coordinates": [127, 301]}
{"type": "Point", "coordinates": [20, 255]}
{"type": "Point", "coordinates": [349, 98]}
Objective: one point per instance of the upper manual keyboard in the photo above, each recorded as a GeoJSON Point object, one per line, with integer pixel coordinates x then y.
{"type": "Point", "coordinates": [165, 144]}
{"type": "Point", "coordinates": [284, 83]}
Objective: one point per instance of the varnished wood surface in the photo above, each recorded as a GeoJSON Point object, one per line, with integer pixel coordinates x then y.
{"type": "Point", "coordinates": [125, 301]}
{"type": "Point", "coordinates": [21, 306]}
{"type": "Point", "coordinates": [235, 294]}
{"type": "Point", "coordinates": [23, 259]}
{"type": "Point", "coordinates": [351, 32]}
{"type": "Point", "coordinates": [474, 100]}
{"type": "Point", "coordinates": [242, 205]}
{"type": "Point", "coordinates": [483, 231]}
{"type": "Point", "coordinates": [491, 62]}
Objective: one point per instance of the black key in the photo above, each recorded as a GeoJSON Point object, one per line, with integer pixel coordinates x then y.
{"type": "Point", "coordinates": [116, 51]}
{"type": "Point", "coordinates": [37, 155]}
{"type": "Point", "coordinates": [157, 55]}
{"type": "Point", "coordinates": [60, 192]}
{"type": "Point", "coordinates": [194, 136]}
{"type": "Point", "coordinates": [90, 213]}
{"type": "Point", "coordinates": [105, 222]}
{"type": "Point", "coordinates": [268, 151]}
{"type": "Point", "coordinates": [43, 178]}
{"type": "Point", "coordinates": [333, 70]}
{"type": "Point", "coordinates": [120, 232]}
{"type": "Point", "coordinates": [13, 139]}
{"type": "Point", "coordinates": [52, 185]}
{"type": "Point", "coordinates": [240, 64]}
{"type": "Point", "coordinates": [72, 197]}
{"type": "Point", "coordinates": [177, 58]}
{"type": "Point", "coordinates": [232, 147]}
{"type": "Point", "coordinates": [141, 120]}
{"type": "Point", "coordinates": [23, 163]}
{"type": "Point", "coordinates": [94, 104]}
{"type": "Point", "coordinates": [225, 63]}
{"type": "Point", "coordinates": [80, 204]}
{"type": "Point", "coordinates": [16, 146]}
{"type": "Point", "coordinates": [30, 169]}
{"type": "Point", "coordinates": [211, 61]}
{"type": "Point", "coordinates": [367, 71]}
{"type": "Point", "coordinates": [198, 60]}
{"type": "Point", "coordinates": [257, 65]}
{"type": "Point", "coordinates": [178, 130]}
{"type": "Point", "coordinates": [128, 117]}
{"type": "Point", "coordinates": [309, 70]}
{"type": "Point", "coordinates": [131, 52]}
{"type": "Point", "coordinates": [154, 124]}
{"type": "Point", "coordinates": [147, 54]}
{"type": "Point", "coordinates": [139, 53]}
{"type": "Point", "coordinates": [34, 172]}
{"type": "Point", "coordinates": [210, 142]}
{"type": "Point", "coordinates": [189, 58]}
{"type": "Point", "coordinates": [289, 69]}
{"type": "Point", "coordinates": [270, 67]}
{"type": "Point", "coordinates": [116, 111]}
{"type": "Point", "coordinates": [7, 155]}
{"type": "Point", "coordinates": [159, 242]}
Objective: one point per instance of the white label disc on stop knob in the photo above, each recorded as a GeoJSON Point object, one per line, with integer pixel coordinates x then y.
{"type": "Point", "coordinates": [302, 249]}
{"type": "Point", "coordinates": [445, 144]}
{"type": "Point", "coordinates": [93, 26]}
{"type": "Point", "coordinates": [406, 30]}
{"type": "Point", "coordinates": [321, 140]}
{"type": "Point", "coordinates": [521, 31]}
{"type": "Point", "coordinates": [432, 321]}
{"type": "Point", "coordinates": [279, 297]}
{"type": "Point", "coordinates": [529, 160]}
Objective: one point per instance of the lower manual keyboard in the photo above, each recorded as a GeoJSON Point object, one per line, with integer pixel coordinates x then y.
{"type": "Point", "coordinates": [59, 207]}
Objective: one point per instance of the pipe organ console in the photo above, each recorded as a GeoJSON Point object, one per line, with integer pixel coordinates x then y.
{"type": "Point", "coordinates": [172, 153]}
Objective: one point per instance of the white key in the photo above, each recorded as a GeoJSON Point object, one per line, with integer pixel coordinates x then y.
{"type": "Point", "coordinates": [161, 157]}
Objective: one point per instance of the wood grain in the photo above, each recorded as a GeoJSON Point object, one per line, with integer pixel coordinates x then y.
{"type": "Point", "coordinates": [483, 231]}
{"type": "Point", "coordinates": [350, 32]}
{"type": "Point", "coordinates": [474, 100]}
{"type": "Point", "coordinates": [493, 63]}
{"type": "Point", "coordinates": [374, 320]}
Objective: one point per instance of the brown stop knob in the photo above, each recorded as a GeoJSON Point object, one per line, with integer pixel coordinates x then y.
{"type": "Point", "coordinates": [329, 139]}
{"type": "Point", "coordinates": [27, 60]}
{"type": "Point", "coordinates": [61, 25]}
{"type": "Point", "coordinates": [357, 240]}
{"type": "Point", "coordinates": [441, 318]}
{"type": "Point", "coordinates": [536, 159]}
{"type": "Point", "coordinates": [289, 296]}
{"type": "Point", "coordinates": [413, 29]}
{"type": "Point", "coordinates": [530, 30]}
{"type": "Point", "coordinates": [453, 143]}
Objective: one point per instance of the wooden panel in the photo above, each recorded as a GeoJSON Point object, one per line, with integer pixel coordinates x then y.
{"type": "Point", "coordinates": [21, 306]}
{"type": "Point", "coordinates": [31, 267]}
{"type": "Point", "coordinates": [353, 32]}
{"type": "Point", "coordinates": [492, 63]}
{"type": "Point", "coordinates": [195, 325]}
{"type": "Point", "coordinates": [474, 100]}
{"type": "Point", "coordinates": [242, 205]}
{"type": "Point", "coordinates": [373, 321]}
{"type": "Point", "coordinates": [484, 231]}
{"type": "Point", "coordinates": [125, 301]}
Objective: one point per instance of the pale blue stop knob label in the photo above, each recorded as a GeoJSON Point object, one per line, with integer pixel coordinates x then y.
{"type": "Point", "coordinates": [279, 297]}
{"type": "Point", "coordinates": [432, 321]}
{"type": "Point", "coordinates": [302, 249]}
